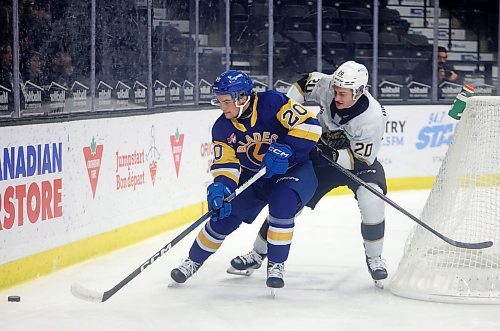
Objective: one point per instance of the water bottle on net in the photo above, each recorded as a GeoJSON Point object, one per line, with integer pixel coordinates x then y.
{"type": "Point", "coordinates": [461, 101]}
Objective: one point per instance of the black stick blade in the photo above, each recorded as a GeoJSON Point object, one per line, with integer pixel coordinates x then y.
{"type": "Point", "coordinates": [480, 245]}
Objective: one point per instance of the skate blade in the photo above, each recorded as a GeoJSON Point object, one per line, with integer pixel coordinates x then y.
{"type": "Point", "coordinates": [379, 284]}
{"type": "Point", "coordinates": [237, 272]}
{"type": "Point", "coordinates": [273, 293]}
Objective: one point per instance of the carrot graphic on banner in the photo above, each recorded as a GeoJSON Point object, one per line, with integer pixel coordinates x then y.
{"type": "Point", "coordinates": [176, 141]}
{"type": "Point", "coordinates": [93, 157]}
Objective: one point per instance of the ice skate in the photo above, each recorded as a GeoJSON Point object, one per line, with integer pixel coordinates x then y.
{"type": "Point", "coordinates": [275, 276]}
{"type": "Point", "coordinates": [377, 269]}
{"type": "Point", "coordinates": [245, 265]}
{"type": "Point", "coordinates": [184, 271]}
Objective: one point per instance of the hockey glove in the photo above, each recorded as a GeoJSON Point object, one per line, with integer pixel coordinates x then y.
{"type": "Point", "coordinates": [336, 139]}
{"type": "Point", "coordinates": [216, 192]}
{"type": "Point", "coordinates": [276, 159]}
{"type": "Point", "coordinates": [326, 151]}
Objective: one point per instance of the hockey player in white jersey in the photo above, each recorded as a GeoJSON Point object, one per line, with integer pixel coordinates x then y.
{"type": "Point", "coordinates": [353, 124]}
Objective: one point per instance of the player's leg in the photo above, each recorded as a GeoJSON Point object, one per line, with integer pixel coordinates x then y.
{"type": "Point", "coordinates": [245, 206]}
{"type": "Point", "coordinates": [328, 179]}
{"type": "Point", "coordinates": [247, 263]}
{"type": "Point", "coordinates": [294, 188]}
{"type": "Point", "coordinates": [280, 232]}
{"type": "Point", "coordinates": [372, 210]}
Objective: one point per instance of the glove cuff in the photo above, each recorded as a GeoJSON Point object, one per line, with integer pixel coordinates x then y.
{"type": "Point", "coordinates": [229, 183]}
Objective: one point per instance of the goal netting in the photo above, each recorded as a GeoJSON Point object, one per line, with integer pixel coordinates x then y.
{"type": "Point", "coordinates": [464, 204]}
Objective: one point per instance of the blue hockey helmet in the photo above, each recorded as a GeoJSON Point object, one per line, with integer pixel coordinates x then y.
{"type": "Point", "coordinates": [233, 82]}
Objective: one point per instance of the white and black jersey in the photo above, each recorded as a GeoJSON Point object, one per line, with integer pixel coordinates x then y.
{"type": "Point", "coordinates": [355, 133]}
{"type": "Point", "coordinates": [361, 126]}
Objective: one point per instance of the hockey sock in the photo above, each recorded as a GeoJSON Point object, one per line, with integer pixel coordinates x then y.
{"type": "Point", "coordinates": [207, 242]}
{"type": "Point", "coordinates": [260, 244]}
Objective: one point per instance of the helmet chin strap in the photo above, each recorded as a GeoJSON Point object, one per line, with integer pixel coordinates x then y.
{"type": "Point", "coordinates": [355, 97]}
{"type": "Point", "coordinates": [356, 94]}
{"type": "Point", "coordinates": [241, 107]}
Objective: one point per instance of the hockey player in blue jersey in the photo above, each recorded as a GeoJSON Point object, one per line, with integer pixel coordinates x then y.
{"type": "Point", "coordinates": [256, 130]}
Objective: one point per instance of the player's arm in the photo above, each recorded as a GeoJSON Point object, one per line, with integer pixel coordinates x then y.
{"type": "Point", "coordinates": [225, 167]}
{"type": "Point", "coordinates": [337, 145]}
{"type": "Point", "coordinates": [346, 157]}
{"type": "Point", "coordinates": [365, 146]}
{"type": "Point", "coordinates": [303, 128]}
{"type": "Point", "coordinates": [296, 91]}
{"type": "Point", "coordinates": [303, 90]}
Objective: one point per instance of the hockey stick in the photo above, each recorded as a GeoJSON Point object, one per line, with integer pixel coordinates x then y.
{"type": "Point", "coordinates": [479, 245]}
{"type": "Point", "coordinates": [83, 293]}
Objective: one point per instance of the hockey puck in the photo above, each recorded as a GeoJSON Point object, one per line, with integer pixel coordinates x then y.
{"type": "Point", "coordinates": [14, 298]}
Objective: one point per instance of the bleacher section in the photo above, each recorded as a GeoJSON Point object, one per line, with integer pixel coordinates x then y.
{"type": "Point", "coordinates": [347, 33]}
{"type": "Point", "coordinates": [405, 40]}
{"type": "Point", "coordinates": [464, 46]}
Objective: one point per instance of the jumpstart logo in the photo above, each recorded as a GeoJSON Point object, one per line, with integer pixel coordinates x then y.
{"type": "Point", "coordinates": [176, 141]}
{"type": "Point", "coordinates": [153, 166]}
{"type": "Point", "coordinates": [36, 194]}
{"type": "Point", "coordinates": [129, 170]}
{"type": "Point", "coordinates": [93, 157]}
{"type": "Point", "coordinates": [152, 156]}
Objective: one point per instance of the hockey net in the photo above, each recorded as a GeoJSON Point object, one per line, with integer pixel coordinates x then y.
{"type": "Point", "coordinates": [464, 204]}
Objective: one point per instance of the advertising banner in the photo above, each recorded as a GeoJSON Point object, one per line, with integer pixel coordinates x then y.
{"type": "Point", "coordinates": [416, 140]}
{"type": "Point", "coordinates": [62, 182]}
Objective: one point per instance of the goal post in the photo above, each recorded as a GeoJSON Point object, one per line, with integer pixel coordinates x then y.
{"type": "Point", "coordinates": [464, 203]}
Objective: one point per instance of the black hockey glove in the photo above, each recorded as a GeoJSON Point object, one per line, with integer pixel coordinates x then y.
{"type": "Point", "coordinates": [326, 151]}
{"type": "Point", "coordinates": [336, 139]}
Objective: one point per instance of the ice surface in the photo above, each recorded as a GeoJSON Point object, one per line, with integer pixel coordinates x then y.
{"type": "Point", "coordinates": [327, 285]}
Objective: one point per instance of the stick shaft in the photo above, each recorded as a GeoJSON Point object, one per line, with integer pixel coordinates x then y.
{"type": "Point", "coordinates": [89, 295]}
{"type": "Point", "coordinates": [478, 245]}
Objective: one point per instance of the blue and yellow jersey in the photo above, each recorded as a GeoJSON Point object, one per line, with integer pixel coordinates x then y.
{"type": "Point", "coordinates": [240, 144]}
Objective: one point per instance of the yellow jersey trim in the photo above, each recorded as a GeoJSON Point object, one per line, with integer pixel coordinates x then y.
{"type": "Point", "coordinates": [304, 134]}
{"type": "Point", "coordinates": [227, 174]}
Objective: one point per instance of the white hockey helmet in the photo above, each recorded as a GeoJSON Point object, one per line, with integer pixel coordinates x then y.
{"type": "Point", "coordinates": [351, 75]}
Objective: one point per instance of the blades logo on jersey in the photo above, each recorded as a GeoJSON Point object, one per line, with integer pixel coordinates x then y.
{"type": "Point", "coordinates": [256, 146]}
